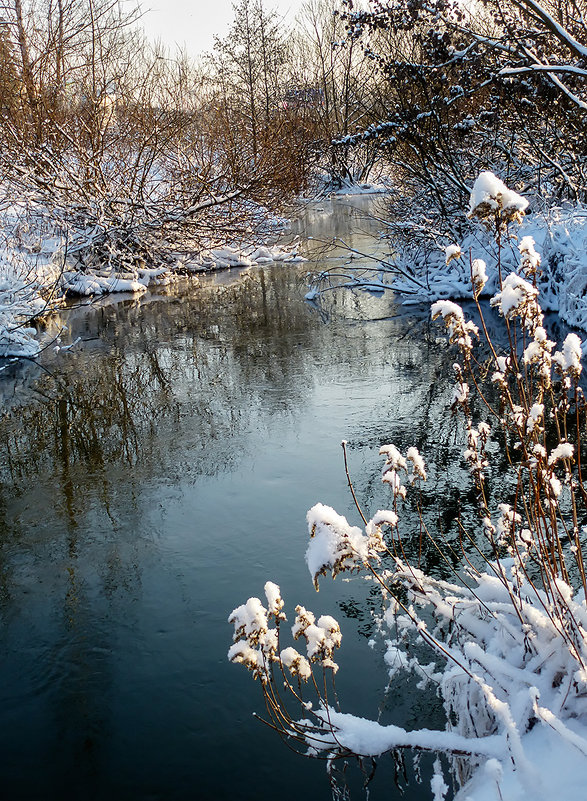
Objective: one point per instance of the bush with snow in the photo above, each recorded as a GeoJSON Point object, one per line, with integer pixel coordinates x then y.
{"type": "Point", "coordinates": [424, 269]}
{"type": "Point", "coordinates": [505, 640]}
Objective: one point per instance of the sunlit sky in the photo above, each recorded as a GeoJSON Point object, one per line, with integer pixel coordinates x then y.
{"type": "Point", "coordinates": [193, 23]}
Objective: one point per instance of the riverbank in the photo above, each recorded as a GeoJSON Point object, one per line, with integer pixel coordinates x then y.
{"type": "Point", "coordinates": [35, 282]}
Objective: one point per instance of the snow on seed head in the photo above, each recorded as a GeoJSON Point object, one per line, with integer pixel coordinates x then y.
{"type": "Point", "coordinates": [491, 200]}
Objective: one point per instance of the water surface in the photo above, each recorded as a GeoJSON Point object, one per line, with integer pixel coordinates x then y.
{"type": "Point", "coordinates": [155, 477]}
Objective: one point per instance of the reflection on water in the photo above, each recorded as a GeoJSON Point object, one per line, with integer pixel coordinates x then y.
{"type": "Point", "coordinates": [153, 478]}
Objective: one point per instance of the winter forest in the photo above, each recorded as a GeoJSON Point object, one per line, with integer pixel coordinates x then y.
{"type": "Point", "coordinates": [365, 224]}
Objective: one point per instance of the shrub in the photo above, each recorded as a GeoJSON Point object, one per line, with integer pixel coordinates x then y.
{"type": "Point", "coordinates": [506, 636]}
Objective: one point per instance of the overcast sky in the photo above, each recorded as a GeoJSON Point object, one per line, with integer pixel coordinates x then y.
{"type": "Point", "coordinates": [194, 23]}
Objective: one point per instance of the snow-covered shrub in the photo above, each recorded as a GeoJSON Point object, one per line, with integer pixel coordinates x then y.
{"type": "Point", "coordinates": [506, 637]}
{"type": "Point", "coordinates": [29, 274]}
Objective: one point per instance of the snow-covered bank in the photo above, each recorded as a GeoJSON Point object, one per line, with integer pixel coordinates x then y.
{"type": "Point", "coordinates": [26, 284]}
{"type": "Point", "coordinates": [32, 284]}
{"type": "Point", "coordinates": [436, 269]}
{"type": "Point", "coordinates": [560, 235]}
{"type": "Point", "coordinates": [559, 762]}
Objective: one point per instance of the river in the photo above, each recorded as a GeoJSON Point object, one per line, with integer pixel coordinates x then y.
{"type": "Point", "coordinates": [153, 478]}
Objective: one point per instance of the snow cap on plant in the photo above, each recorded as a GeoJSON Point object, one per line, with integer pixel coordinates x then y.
{"type": "Point", "coordinates": [386, 517]}
{"type": "Point", "coordinates": [274, 601]}
{"type": "Point", "coordinates": [474, 454]}
{"type": "Point", "coordinates": [478, 276]}
{"type": "Point", "coordinates": [530, 256]}
{"type": "Point", "coordinates": [334, 545]}
{"type": "Point", "coordinates": [491, 201]}
{"type": "Point", "coordinates": [321, 637]}
{"type": "Point", "coordinates": [297, 664]}
{"type": "Point", "coordinates": [459, 330]}
{"type": "Point", "coordinates": [452, 252]}
{"type": "Point", "coordinates": [250, 621]}
{"type": "Point", "coordinates": [255, 644]}
{"type": "Point", "coordinates": [394, 461]}
{"type": "Point", "coordinates": [519, 298]}
{"type": "Point", "coordinates": [538, 352]}
{"type": "Point", "coordinates": [568, 360]}
{"type": "Point", "coordinates": [418, 464]}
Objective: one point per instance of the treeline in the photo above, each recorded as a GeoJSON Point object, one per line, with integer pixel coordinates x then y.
{"type": "Point", "coordinates": [135, 153]}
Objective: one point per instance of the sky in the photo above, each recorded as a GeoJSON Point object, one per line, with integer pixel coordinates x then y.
{"type": "Point", "coordinates": [193, 23]}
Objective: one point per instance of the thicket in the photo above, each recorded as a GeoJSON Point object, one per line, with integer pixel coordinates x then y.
{"type": "Point", "coordinates": [497, 85]}
{"type": "Point", "coordinates": [134, 152]}
{"type": "Point", "coordinates": [502, 635]}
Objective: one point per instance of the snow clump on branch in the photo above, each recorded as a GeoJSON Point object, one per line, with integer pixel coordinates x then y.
{"type": "Point", "coordinates": [491, 200]}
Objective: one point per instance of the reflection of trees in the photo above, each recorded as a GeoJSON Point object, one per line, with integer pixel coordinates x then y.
{"type": "Point", "coordinates": [198, 356]}
{"type": "Point", "coordinates": [182, 386]}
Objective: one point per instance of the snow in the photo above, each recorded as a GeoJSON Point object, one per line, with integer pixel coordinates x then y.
{"type": "Point", "coordinates": [22, 280]}
{"type": "Point", "coordinates": [32, 281]}
{"type": "Point", "coordinates": [297, 664]}
{"type": "Point", "coordinates": [334, 544]}
{"type": "Point", "coordinates": [551, 244]}
{"type": "Point", "coordinates": [516, 296]}
{"type": "Point", "coordinates": [250, 619]}
{"type": "Point", "coordinates": [274, 600]}
{"type": "Point", "coordinates": [321, 637]}
{"type": "Point", "coordinates": [361, 189]}
{"type": "Point", "coordinates": [530, 257]}
{"type": "Point", "coordinates": [452, 252]}
{"type": "Point", "coordinates": [569, 359]}
{"type": "Point", "coordinates": [369, 738]}
{"type": "Point", "coordinates": [563, 451]}
{"type": "Point", "coordinates": [490, 194]}
{"type": "Point", "coordinates": [437, 784]}
{"type": "Point", "coordinates": [479, 275]}
{"type": "Point", "coordinates": [84, 285]}
{"type": "Point", "coordinates": [348, 186]}
{"type": "Point", "coordinates": [560, 764]}
{"type": "Point", "coordinates": [459, 330]}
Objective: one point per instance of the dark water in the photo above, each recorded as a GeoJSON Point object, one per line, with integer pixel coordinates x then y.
{"type": "Point", "coordinates": [155, 477]}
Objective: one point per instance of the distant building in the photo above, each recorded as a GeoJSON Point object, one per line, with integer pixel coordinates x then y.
{"type": "Point", "coordinates": [303, 97]}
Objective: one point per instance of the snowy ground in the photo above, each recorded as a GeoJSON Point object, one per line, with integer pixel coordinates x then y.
{"type": "Point", "coordinates": [556, 769]}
